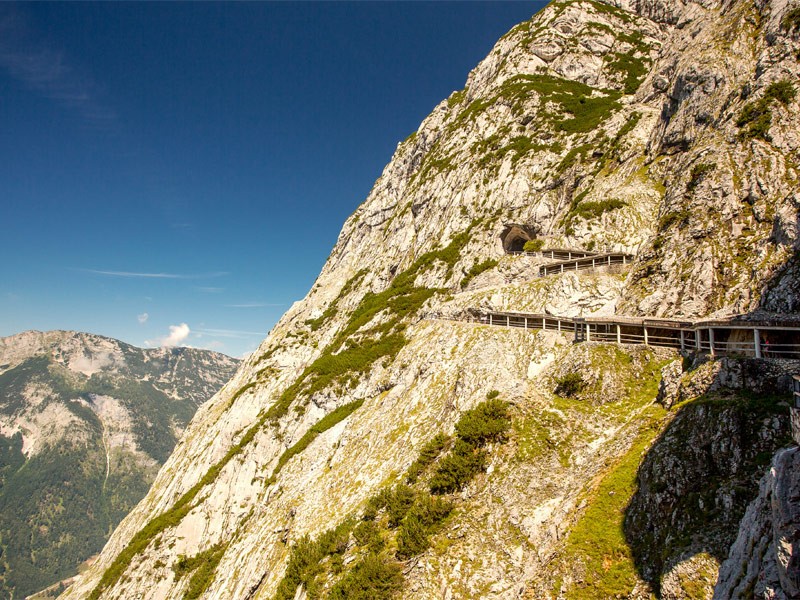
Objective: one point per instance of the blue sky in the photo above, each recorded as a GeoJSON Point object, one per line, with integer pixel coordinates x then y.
{"type": "Point", "coordinates": [179, 172]}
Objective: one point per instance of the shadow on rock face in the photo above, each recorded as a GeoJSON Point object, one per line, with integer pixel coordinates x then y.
{"type": "Point", "coordinates": [696, 482]}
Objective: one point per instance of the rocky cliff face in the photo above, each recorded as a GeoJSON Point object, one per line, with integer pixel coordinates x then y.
{"type": "Point", "coordinates": [85, 423]}
{"type": "Point", "coordinates": [664, 129]}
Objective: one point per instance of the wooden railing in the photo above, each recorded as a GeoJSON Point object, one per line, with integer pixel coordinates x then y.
{"type": "Point", "coordinates": [555, 253]}
{"type": "Point", "coordinates": [685, 335]}
{"type": "Point", "coordinates": [585, 263]}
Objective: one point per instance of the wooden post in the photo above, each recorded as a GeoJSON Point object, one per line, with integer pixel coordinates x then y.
{"type": "Point", "coordinates": [508, 321]}
{"type": "Point", "coordinates": [559, 324]}
{"type": "Point", "coordinates": [526, 322]}
{"type": "Point", "coordinates": [711, 341]}
{"type": "Point", "coordinates": [683, 342]}
{"type": "Point", "coordinates": [562, 267]}
{"type": "Point", "coordinates": [619, 334]}
{"type": "Point", "coordinates": [569, 255]}
{"type": "Point", "coordinates": [646, 341]}
{"type": "Point", "coordinates": [544, 323]}
{"type": "Point", "coordinates": [490, 319]}
{"type": "Point", "coordinates": [593, 265]}
{"type": "Point", "coordinates": [697, 335]}
{"type": "Point", "coordinates": [623, 259]}
{"type": "Point", "coordinates": [757, 342]}
{"type": "Point", "coordinates": [588, 333]}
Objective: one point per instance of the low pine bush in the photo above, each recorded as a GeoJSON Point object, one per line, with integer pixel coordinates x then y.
{"type": "Point", "coordinates": [458, 468]}
{"type": "Point", "coordinates": [487, 422]}
{"type": "Point", "coordinates": [569, 385]}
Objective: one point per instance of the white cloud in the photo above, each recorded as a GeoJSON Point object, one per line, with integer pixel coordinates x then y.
{"type": "Point", "coordinates": [142, 318]}
{"type": "Point", "coordinates": [177, 334]}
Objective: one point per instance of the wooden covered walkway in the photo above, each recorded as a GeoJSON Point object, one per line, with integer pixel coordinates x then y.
{"type": "Point", "coordinates": [777, 338]}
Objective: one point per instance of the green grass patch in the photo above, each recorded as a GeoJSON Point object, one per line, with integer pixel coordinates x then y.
{"type": "Point", "coordinates": [332, 309]}
{"type": "Point", "coordinates": [598, 541]}
{"type": "Point", "coordinates": [576, 154]}
{"type": "Point", "coordinates": [477, 269]}
{"type": "Point", "coordinates": [332, 418]}
{"type": "Point", "coordinates": [456, 98]}
{"type": "Point", "coordinates": [354, 350]}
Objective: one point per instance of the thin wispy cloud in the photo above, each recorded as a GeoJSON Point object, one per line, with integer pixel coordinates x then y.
{"type": "Point", "coordinates": [228, 333]}
{"type": "Point", "coordinates": [142, 275]}
{"type": "Point", "coordinates": [47, 70]}
{"type": "Point", "coordinates": [254, 305]}
{"type": "Point", "coordinates": [142, 318]}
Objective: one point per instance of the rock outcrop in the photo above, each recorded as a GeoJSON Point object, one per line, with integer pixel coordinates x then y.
{"type": "Point", "coordinates": [662, 129]}
{"type": "Point", "coordinates": [764, 562]}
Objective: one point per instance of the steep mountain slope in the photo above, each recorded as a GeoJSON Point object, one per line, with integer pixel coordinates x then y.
{"type": "Point", "coordinates": [663, 129]}
{"type": "Point", "coordinates": [85, 423]}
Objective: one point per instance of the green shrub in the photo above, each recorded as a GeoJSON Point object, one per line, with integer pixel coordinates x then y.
{"type": "Point", "coordinates": [204, 571]}
{"type": "Point", "coordinates": [487, 422]}
{"type": "Point", "coordinates": [671, 218]}
{"type": "Point", "coordinates": [422, 521]}
{"type": "Point", "coordinates": [413, 538]}
{"type": "Point", "coordinates": [397, 501]}
{"type": "Point", "coordinates": [533, 245]}
{"type": "Point", "coordinates": [429, 453]}
{"type": "Point", "coordinates": [791, 20]}
{"type": "Point", "coordinates": [477, 269]}
{"type": "Point", "coordinates": [304, 566]}
{"type": "Point", "coordinates": [699, 172]}
{"type": "Point", "coordinates": [368, 534]}
{"type": "Point", "coordinates": [756, 117]}
{"type": "Point", "coordinates": [492, 394]}
{"type": "Point", "coordinates": [371, 579]}
{"type": "Point", "coordinates": [634, 70]}
{"type": "Point", "coordinates": [783, 91]}
{"type": "Point", "coordinates": [457, 468]}
{"type": "Point", "coordinates": [569, 385]}
{"type": "Point", "coordinates": [306, 561]}
{"type": "Point", "coordinates": [591, 210]}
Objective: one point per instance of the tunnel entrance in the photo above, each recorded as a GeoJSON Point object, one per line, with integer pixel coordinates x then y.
{"type": "Point", "coordinates": [514, 237]}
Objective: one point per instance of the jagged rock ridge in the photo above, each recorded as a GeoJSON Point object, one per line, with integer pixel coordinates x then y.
{"type": "Point", "coordinates": [85, 423]}
{"type": "Point", "coordinates": [640, 128]}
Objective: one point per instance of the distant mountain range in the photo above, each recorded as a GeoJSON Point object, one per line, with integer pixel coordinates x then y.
{"type": "Point", "coordinates": [85, 423]}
